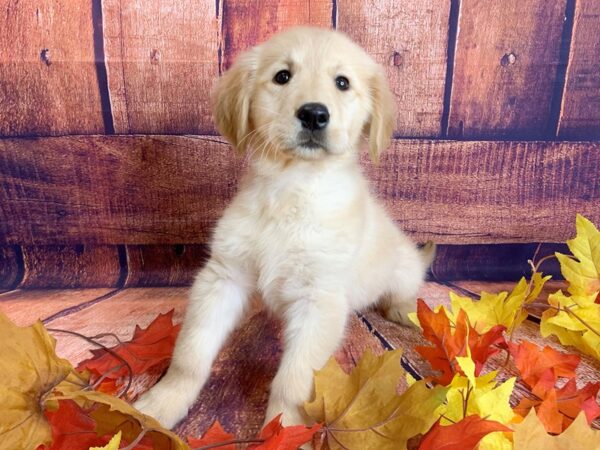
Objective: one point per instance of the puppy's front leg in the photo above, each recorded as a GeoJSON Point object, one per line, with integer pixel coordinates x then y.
{"type": "Point", "coordinates": [314, 329]}
{"type": "Point", "coordinates": [216, 303]}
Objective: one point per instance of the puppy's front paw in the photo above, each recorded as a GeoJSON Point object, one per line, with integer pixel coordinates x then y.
{"type": "Point", "coordinates": [398, 312]}
{"type": "Point", "coordinates": [165, 404]}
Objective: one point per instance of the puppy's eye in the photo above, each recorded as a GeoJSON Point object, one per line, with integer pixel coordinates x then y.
{"type": "Point", "coordinates": [342, 83]}
{"type": "Point", "coordinates": [282, 77]}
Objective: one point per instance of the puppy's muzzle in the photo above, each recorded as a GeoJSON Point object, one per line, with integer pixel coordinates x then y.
{"type": "Point", "coordinates": [313, 116]}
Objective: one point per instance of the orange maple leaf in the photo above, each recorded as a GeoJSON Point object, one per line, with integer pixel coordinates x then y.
{"type": "Point", "coordinates": [148, 348]}
{"type": "Point", "coordinates": [533, 362]}
{"type": "Point", "coordinates": [463, 435]}
{"type": "Point", "coordinates": [449, 344]}
{"type": "Point", "coordinates": [556, 407]}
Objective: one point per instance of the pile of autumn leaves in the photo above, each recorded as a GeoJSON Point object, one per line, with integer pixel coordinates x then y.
{"type": "Point", "coordinates": [47, 404]}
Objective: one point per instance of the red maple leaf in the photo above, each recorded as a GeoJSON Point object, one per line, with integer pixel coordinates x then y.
{"type": "Point", "coordinates": [450, 342]}
{"type": "Point", "coordinates": [463, 435]}
{"type": "Point", "coordinates": [556, 407]}
{"type": "Point", "coordinates": [278, 437]}
{"type": "Point", "coordinates": [148, 348]}
{"type": "Point", "coordinates": [72, 428]}
{"type": "Point", "coordinates": [214, 435]}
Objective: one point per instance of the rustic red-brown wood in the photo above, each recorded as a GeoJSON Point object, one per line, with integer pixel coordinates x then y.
{"type": "Point", "coordinates": [580, 113]}
{"type": "Point", "coordinates": [11, 270]}
{"type": "Point", "coordinates": [169, 190]}
{"type": "Point", "coordinates": [410, 41]}
{"type": "Point", "coordinates": [70, 266]}
{"type": "Point", "coordinates": [48, 80]}
{"type": "Point", "coordinates": [25, 306]}
{"type": "Point", "coordinates": [505, 65]}
{"type": "Point", "coordinates": [237, 390]}
{"type": "Point", "coordinates": [164, 265]}
{"type": "Point", "coordinates": [246, 24]}
{"type": "Point", "coordinates": [162, 59]}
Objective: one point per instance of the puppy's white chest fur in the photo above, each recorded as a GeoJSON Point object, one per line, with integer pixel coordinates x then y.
{"type": "Point", "coordinates": [300, 227]}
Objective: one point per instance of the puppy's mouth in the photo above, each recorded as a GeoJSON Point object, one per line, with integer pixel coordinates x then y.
{"type": "Point", "coordinates": [311, 141]}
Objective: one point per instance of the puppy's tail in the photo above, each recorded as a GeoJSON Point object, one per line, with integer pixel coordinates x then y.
{"type": "Point", "coordinates": [428, 253]}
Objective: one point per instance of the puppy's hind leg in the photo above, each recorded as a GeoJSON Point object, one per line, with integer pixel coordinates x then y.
{"type": "Point", "coordinates": [217, 301]}
{"type": "Point", "coordinates": [399, 300]}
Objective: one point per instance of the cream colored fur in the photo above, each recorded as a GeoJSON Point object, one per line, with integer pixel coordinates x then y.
{"type": "Point", "coordinates": [303, 229]}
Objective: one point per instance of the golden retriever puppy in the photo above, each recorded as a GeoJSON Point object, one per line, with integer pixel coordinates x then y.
{"type": "Point", "coordinates": [303, 229]}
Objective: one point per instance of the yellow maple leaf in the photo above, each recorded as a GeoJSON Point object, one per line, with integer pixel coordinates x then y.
{"type": "Point", "coordinates": [582, 274]}
{"type": "Point", "coordinates": [113, 444]}
{"type": "Point", "coordinates": [363, 410]}
{"type": "Point", "coordinates": [29, 370]}
{"type": "Point", "coordinates": [503, 308]}
{"type": "Point", "coordinates": [530, 434]}
{"type": "Point", "coordinates": [575, 320]}
{"type": "Point", "coordinates": [482, 396]}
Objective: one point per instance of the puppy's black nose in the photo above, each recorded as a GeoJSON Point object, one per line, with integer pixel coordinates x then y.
{"type": "Point", "coordinates": [313, 116]}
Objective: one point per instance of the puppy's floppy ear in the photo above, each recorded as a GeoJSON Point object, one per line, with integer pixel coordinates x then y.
{"type": "Point", "coordinates": [231, 100]}
{"type": "Point", "coordinates": [383, 117]}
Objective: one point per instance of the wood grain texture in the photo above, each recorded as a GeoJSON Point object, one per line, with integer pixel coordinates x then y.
{"type": "Point", "coordinates": [505, 65]}
{"type": "Point", "coordinates": [489, 262]}
{"type": "Point", "coordinates": [164, 265]}
{"type": "Point", "coordinates": [162, 59]}
{"type": "Point", "coordinates": [168, 190]}
{"type": "Point", "coordinates": [48, 80]}
{"type": "Point", "coordinates": [70, 266]}
{"type": "Point", "coordinates": [11, 266]}
{"type": "Point", "coordinates": [410, 40]}
{"type": "Point", "coordinates": [246, 24]}
{"type": "Point", "coordinates": [112, 189]}
{"type": "Point", "coordinates": [237, 391]}
{"type": "Point", "coordinates": [26, 306]}
{"type": "Point", "coordinates": [580, 112]}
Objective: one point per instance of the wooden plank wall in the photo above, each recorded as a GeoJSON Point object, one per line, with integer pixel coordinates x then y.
{"type": "Point", "coordinates": [516, 70]}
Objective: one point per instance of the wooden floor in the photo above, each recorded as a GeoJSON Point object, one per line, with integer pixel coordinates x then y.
{"type": "Point", "coordinates": [237, 391]}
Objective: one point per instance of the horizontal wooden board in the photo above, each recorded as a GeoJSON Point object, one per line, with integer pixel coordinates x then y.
{"type": "Point", "coordinates": [580, 113]}
{"type": "Point", "coordinates": [48, 79]}
{"type": "Point", "coordinates": [164, 265]}
{"type": "Point", "coordinates": [493, 262]}
{"type": "Point", "coordinates": [25, 306]}
{"type": "Point", "coordinates": [507, 54]}
{"type": "Point", "coordinates": [170, 190]}
{"type": "Point", "coordinates": [11, 266]}
{"type": "Point", "coordinates": [71, 266]}
{"type": "Point", "coordinates": [246, 24]}
{"type": "Point", "coordinates": [161, 59]}
{"type": "Point", "coordinates": [411, 43]}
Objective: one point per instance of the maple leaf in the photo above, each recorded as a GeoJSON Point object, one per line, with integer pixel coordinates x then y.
{"type": "Point", "coordinates": [363, 410]}
{"type": "Point", "coordinates": [72, 427]}
{"type": "Point", "coordinates": [29, 370]}
{"type": "Point", "coordinates": [278, 437]}
{"type": "Point", "coordinates": [582, 274]}
{"type": "Point", "coordinates": [530, 434]}
{"type": "Point", "coordinates": [575, 320]}
{"type": "Point", "coordinates": [448, 344]}
{"type": "Point", "coordinates": [482, 396]}
{"type": "Point", "coordinates": [215, 434]}
{"type": "Point", "coordinates": [533, 362]}
{"type": "Point", "coordinates": [556, 407]}
{"type": "Point", "coordinates": [148, 348]}
{"type": "Point", "coordinates": [462, 435]}
{"type": "Point", "coordinates": [113, 444]}
{"type": "Point", "coordinates": [503, 308]}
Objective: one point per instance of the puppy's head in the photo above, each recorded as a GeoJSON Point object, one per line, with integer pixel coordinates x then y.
{"type": "Point", "coordinates": [307, 93]}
